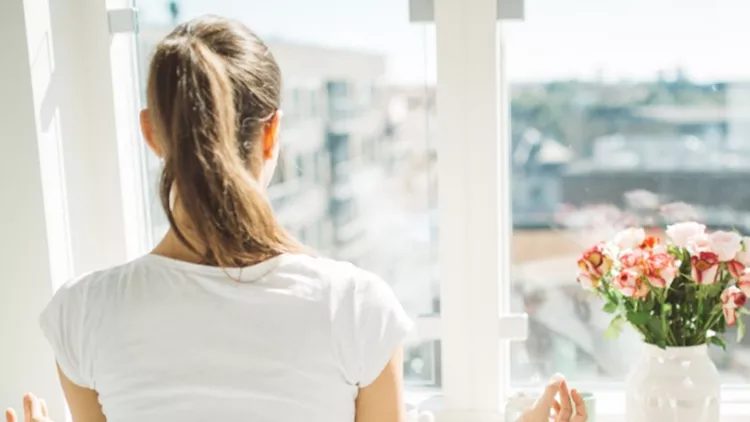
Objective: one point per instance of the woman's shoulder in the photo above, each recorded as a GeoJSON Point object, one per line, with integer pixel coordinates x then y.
{"type": "Point", "coordinates": [330, 272]}
{"type": "Point", "coordinates": [85, 283]}
{"type": "Point", "coordinates": [306, 272]}
{"type": "Point", "coordinates": [344, 283]}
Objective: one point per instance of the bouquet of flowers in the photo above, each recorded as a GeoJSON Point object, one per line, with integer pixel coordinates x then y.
{"type": "Point", "coordinates": [684, 290]}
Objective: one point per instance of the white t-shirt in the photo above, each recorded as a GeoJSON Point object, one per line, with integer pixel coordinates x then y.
{"type": "Point", "coordinates": [290, 339]}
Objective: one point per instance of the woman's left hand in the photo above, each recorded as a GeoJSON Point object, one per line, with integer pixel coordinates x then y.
{"type": "Point", "coordinates": [564, 410]}
{"type": "Point", "coordinates": [561, 410]}
{"type": "Point", "coordinates": [34, 410]}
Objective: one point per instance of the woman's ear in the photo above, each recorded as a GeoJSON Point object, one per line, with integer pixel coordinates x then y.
{"type": "Point", "coordinates": [147, 130]}
{"type": "Point", "coordinates": [271, 136]}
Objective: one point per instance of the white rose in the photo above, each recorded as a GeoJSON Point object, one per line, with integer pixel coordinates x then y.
{"type": "Point", "coordinates": [682, 233]}
{"type": "Point", "coordinates": [726, 245]}
{"type": "Point", "coordinates": [700, 243]}
{"type": "Point", "coordinates": [743, 257]}
{"type": "Point", "coordinates": [630, 238]}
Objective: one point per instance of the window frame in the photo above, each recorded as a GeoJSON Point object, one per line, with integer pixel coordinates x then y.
{"type": "Point", "coordinates": [470, 205]}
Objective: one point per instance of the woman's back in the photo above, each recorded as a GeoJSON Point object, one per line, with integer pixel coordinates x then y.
{"type": "Point", "coordinates": [290, 339]}
{"type": "Point", "coordinates": [287, 337]}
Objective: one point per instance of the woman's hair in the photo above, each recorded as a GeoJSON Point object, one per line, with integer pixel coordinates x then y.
{"type": "Point", "coordinates": [213, 87]}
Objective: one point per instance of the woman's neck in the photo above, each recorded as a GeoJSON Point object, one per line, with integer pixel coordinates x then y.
{"type": "Point", "coordinates": [171, 246]}
{"type": "Point", "coordinates": [189, 247]}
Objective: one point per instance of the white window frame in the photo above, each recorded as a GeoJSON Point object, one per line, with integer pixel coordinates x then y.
{"type": "Point", "coordinates": [64, 174]}
{"type": "Point", "coordinates": [105, 223]}
{"type": "Point", "coordinates": [470, 208]}
{"type": "Point", "coordinates": [33, 256]}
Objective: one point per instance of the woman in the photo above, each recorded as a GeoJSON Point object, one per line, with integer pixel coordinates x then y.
{"type": "Point", "coordinates": [227, 318]}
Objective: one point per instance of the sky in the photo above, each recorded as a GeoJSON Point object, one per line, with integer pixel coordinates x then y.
{"type": "Point", "coordinates": [558, 39]}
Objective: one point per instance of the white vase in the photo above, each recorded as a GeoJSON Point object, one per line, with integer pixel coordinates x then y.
{"type": "Point", "coordinates": [679, 384]}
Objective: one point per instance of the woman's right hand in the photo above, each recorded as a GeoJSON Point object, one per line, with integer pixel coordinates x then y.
{"type": "Point", "coordinates": [34, 410]}
{"type": "Point", "coordinates": [562, 410]}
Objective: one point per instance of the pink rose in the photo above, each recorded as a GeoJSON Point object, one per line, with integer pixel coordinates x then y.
{"type": "Point", "coordinates": [682, 233]}
{"type": "Point", "coordinates": [629, 238]}
{"type": "Point", "coordinates": [635, 259]}
{"type": "Point", "coordinates": [725, 245]}
{"type": "Point", "coordinates": [735, 268]}
{"type": "Point", "coordinates": [659, 248]}
{"type": "Point", "coordinates": [732, 299]}
{"type": "Point", "coordinates": [699, 243]}
{"type": "Point", "coordinates": [593, 264]}
{"type": "Point", "coordinates": [652, 243]}
{"type": "Point", "coordinates": [631, 284]}
{"type": "Point", "coordinates": [705, 267]}
{"type": "Point", "coordinates": [743, 256]}
{"type": "Point", "coordinates": [662, 269]}
{"type": "Point", "coordinates": [743, 281]}
{"type": "Point", "coordinates": [585, 280]}
{"type": "Point", "coordinates": [741, 260]}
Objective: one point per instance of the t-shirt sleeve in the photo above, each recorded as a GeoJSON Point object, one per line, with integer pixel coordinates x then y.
{"type": "Point", "coordinates": [381, 327]}
{"type": "Point", "coordinates": [62, 324]}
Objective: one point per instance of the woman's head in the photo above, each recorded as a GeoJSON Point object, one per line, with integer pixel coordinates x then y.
{"type": "Point", "coordinates": [213, 92]}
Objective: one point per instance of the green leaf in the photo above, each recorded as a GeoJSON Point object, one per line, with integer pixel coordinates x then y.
{"type": "Point", "coordinates": [740, 329]}
{"type": "Point", "coordinates": [609, 308]}
{"type": "Point", "coordinates": [721, 326]}
{"type": "Point", "coordinates": [615, 328]}
{"type": "Point", "coordinates": [648, 305]}
{"type": "Point", "coordinates": [718, 341]}
{"type": "Point", "coordinates": [743, 311]}
{"type": "Point", "coordinates": [638, 318]}
{"type": "Point", "coordinates": [655, 327]}
{"type": "Point", "coordinates": [685, 265]}
{"type": "Point", "coordinates": [701, 293]}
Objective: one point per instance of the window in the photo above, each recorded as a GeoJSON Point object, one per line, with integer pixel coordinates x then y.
{"type": "Point", "coordinates": [341, 99]}
{"type": "Point", "coordinates": [622, 113]}
{"type": "Point", "coordinates": [645, 86]}
{"type": "Point", "coordinates": [314, 102]}
{"type": "Point", "coordinates": [299, 162]}
{"type": "Point", "coordinates": [289, 106]}
{"type": "Point", "coordinates": [380, 219]}
{"type": "Point", "coordinates": [281, 174]}
{"type": "Point", "coordinates": [298, 102]}
{"type": "Point", "coordinates": [320, 166]}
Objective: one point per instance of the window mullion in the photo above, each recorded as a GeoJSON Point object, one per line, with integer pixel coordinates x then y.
{"type": "Point", "coordinates": [469, 201]}
{"type": "Point", "coordinates": [97, 125]}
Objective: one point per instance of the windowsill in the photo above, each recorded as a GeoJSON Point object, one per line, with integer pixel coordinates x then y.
{"type": "Point", "coordinates": [735, 405]}
{"type": "Point", "coordinates": [611, 407]}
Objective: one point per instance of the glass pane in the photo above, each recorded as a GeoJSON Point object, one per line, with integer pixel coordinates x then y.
{"type": "Point", "coordinates": [356, 177]}
{"type": "Point", "coordinates": [623, 112]}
